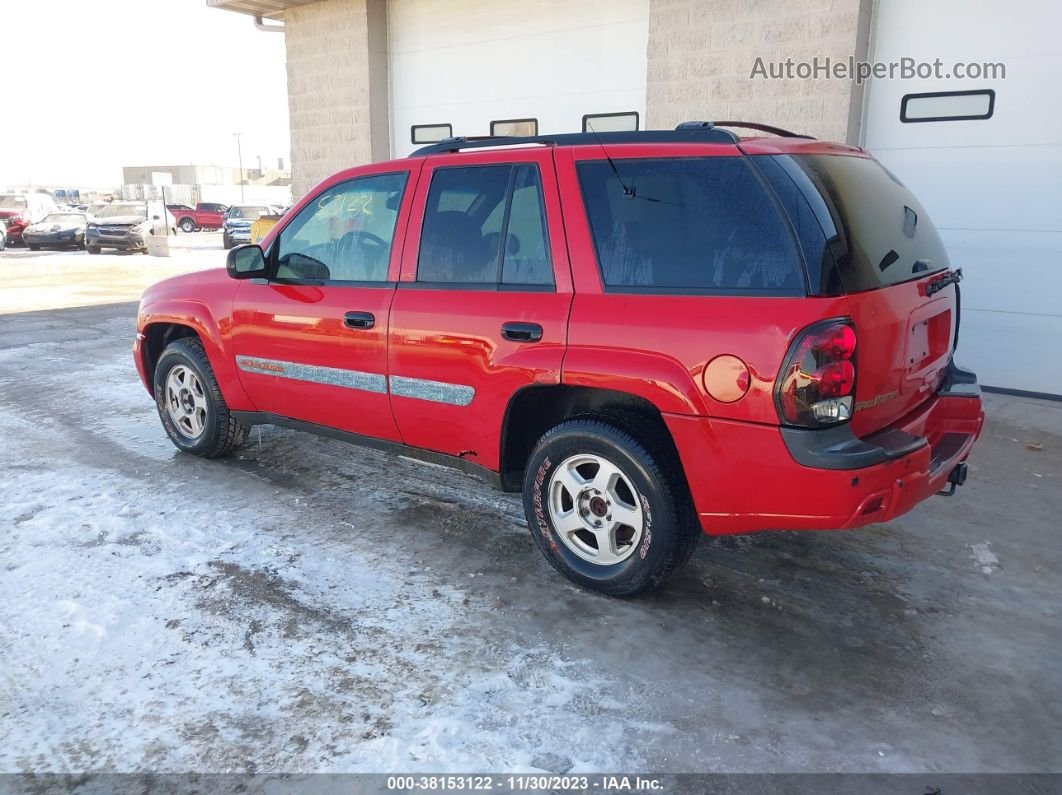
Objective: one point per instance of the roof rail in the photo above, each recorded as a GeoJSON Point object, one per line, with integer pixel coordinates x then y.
{"type": "Point", "coordinates": [698, 135]}
{"type": "Point", "coordinates": [751, 125]}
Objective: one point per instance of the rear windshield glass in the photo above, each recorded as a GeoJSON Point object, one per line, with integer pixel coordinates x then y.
{"type": "Point", "coordinates": [876, 230]}
{"type": "Point", "coordinates": [688, 225]}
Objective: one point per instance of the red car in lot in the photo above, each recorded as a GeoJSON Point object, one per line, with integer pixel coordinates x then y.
{"type": "Point", "coordinates": [205, 215]}
{"type": "Point", "coordinates": [649, 334]}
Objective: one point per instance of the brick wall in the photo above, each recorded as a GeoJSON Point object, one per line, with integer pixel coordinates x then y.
{"type": "Point", "coordinates": [701, 54]}
{"type": "Point", "coordinates": [333, 64]}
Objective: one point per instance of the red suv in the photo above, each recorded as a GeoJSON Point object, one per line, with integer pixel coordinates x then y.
{"type": "Point", "coordinates": [649, 334]}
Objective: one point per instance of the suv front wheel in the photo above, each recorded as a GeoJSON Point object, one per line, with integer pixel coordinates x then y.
{"type": "Point", "coordinates": [610, 511]}
{"type": "Point", "coordinates": [190, 405]}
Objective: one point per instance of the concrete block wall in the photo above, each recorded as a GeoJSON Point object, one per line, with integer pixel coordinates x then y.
{"type": "Point", "coordinates": [701, 54]}
{"type": "Point", "coordinates": [334, 98]}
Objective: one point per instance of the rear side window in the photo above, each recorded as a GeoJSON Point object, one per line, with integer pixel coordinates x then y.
{"type": "Point", "coordinates": [688, 225]}
{"type": "Point", "coordinates": [877, 231]}
{"type": "Point", "coordinates": [485, 226]}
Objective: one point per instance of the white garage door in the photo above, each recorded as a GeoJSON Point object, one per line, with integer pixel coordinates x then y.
{"type": "Point", "coordinates": [992, 186]}
{"type": "Point", "coordinates": [466, 63]}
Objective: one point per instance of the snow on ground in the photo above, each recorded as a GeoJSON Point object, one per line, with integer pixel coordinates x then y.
{"type": "Point", "coordinates": [174, 622]}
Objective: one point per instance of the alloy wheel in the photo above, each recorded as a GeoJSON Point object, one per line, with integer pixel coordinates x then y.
{"type": "Point", "coordinates": [595, 509]}
{"type": "Point", "coordinates": [186, 401]}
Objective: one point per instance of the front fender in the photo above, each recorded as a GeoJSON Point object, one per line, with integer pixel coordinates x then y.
{"type": "Point", "coordinates": [197, 316]}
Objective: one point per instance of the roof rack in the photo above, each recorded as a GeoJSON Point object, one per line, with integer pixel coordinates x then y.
{"type": "Point", "coordinates": [700, 135]}
{"type": "Point", "coordinates": [751, 125]}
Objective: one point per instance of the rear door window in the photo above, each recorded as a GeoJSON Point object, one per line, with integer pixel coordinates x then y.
{"type": "Point", "coordinates": [701, 225]}
{"type": "Point", "coordinates": [470, 213]}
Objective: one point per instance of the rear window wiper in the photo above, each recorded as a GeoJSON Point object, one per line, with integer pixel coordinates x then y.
{"type": "Point", "coordinates": [951, 277]}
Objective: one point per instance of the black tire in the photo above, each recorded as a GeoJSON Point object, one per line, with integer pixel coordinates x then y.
{"type": "Point", "coordinates": [186, 225]}
{"type": "Point", "coordinates": [222, 433]}
{"type": "Point", "coordinates": [34, 248]}
{"type": "Point", "coordinates": [93, 249]}
{"type": "Point", "coordinates": [226, 241]}
{"type": "Point", "coordinates": [645, 456]}
{"type": "Point", "coordinates": [81, 245]}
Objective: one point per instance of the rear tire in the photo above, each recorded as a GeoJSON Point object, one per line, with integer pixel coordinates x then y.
{"type": "Point", "coordinates": [190, 404]}
{"type": "Point", "coordinates": [589, 474]}
{"type": "Point", "coordinates": [93, 249]}
{"type": "Point", "coordinates": [34, 248]}
{"type": "Point", "coordinates": [187, 225]}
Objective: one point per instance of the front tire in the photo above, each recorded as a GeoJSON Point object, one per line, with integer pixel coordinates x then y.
{"type": "Point", "coordinates": [33, 248]}
{"type": "Point", "coordinates": [609, 510]}
{"type": "Point", "coordinates": [190, 404]}
{"type": "Point", "coordinates": [226, 241]}
{"type": "Point", "coordinates": [94, 249]}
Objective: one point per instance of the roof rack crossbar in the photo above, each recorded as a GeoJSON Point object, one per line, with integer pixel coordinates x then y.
{"type": "Point", "coordinates": [703, 135]}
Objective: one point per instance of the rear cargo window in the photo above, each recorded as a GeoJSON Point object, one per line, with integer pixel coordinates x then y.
{"type": "Point", "coordinates": [877, 231]}
{"type": "Point", "coordinates": [703, 225]}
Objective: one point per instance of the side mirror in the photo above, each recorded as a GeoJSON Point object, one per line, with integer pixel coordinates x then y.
{"type": "Point", "coordinates": [246, 262]}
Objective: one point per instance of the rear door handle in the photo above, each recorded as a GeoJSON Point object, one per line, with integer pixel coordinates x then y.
{"type": "Point", "coordinates": [362, 320]}
{"type": "Point", "coordinates": [522, 332]}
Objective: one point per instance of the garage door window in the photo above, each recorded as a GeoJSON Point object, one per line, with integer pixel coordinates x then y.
{"type": "Point", "coordinates": [948, 106]}
{"type": "Point", "coordinates": [430, 133]}
{"type": "Point", "coordinates": [610, 122]}
{"type": "Point", "coordinates": [523, 128]}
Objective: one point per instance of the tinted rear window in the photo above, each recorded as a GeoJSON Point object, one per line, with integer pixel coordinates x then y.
{"type": "Point", "coordinates": [688, 225]}
{"type": "Point", "coordinates": [876, 230]}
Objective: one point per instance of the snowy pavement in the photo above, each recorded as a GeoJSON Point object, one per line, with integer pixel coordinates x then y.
{"type": "Point", "coordinates": [310, 606]}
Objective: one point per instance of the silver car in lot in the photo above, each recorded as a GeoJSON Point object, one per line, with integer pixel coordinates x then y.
{"type": "Point", "coordinates": [124, 226]}
{"type": "Point", "coordinates": [238, 220]}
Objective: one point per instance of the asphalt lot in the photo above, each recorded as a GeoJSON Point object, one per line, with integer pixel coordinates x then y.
{"type": "Point", "coordinates": [307, 605]}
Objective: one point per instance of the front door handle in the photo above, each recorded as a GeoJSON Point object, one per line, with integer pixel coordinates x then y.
{"type": "Point", "coordinates": [361, 320]}
{"type": "Point", "coordinates": [522, 332]}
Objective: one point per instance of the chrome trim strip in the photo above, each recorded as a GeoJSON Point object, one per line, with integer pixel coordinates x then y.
{"type": "Point", "coordinates": [435, 391]}
{"type": "Point", "coordinates": [332, 376]}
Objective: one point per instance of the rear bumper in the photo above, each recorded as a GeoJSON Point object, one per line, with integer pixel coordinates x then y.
{"type": "Point", "coordinates": [747, 477]}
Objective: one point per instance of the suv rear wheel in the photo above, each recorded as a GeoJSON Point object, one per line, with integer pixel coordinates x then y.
{"type": "Point", "coordinates": [190, 405]}
{"type": "Point", "coordinates": [609, 511]}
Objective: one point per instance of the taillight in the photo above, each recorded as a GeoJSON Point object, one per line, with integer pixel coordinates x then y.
{"type": "Point", "coordinates": [816, 385]}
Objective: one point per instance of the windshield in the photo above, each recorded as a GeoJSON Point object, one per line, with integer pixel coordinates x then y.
{"type": "Point", "coordinates": [115, 210]}
{"type": "Point", "coordinates": [247, 212]}
{"type": "Point", "coordinates": [13, 202]}
{"type": "Point", "coordinates": [63, 218]}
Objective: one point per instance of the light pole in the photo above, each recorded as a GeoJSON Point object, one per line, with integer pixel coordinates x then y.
{"type": "Point", "coordinates": [239, 156]}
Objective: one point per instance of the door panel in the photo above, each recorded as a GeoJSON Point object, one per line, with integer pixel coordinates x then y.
{"type": "Point", "coordinates": [311, 343]}
{"type": "Point", "coordinates": [453, 370]}
{"type": "Point", "coordinates": [298, 358]}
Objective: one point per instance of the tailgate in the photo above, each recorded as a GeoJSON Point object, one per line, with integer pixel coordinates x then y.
{"type": "Point", "coordinates": [879, 248]}
{"type": "Point", "coordinates": [905, 346]}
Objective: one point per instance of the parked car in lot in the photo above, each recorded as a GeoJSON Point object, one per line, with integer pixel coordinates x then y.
{"type": "Point", "coordinates": [205, 215]}
{"type": "Point", "coordinates": [125, 226]}
{"type": "Point", "coordinates": [19, 210]}
{"type": "Point", "coordinates": [260, 228]}
{"type": "Point", "coordinates": [3, 235]}
{"type": "Point", "coordinates": [56, 230]}
{"type": "Point", "coordinates": [238, 221]}
{"type": "Point", "coordinates": [650, 334]}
